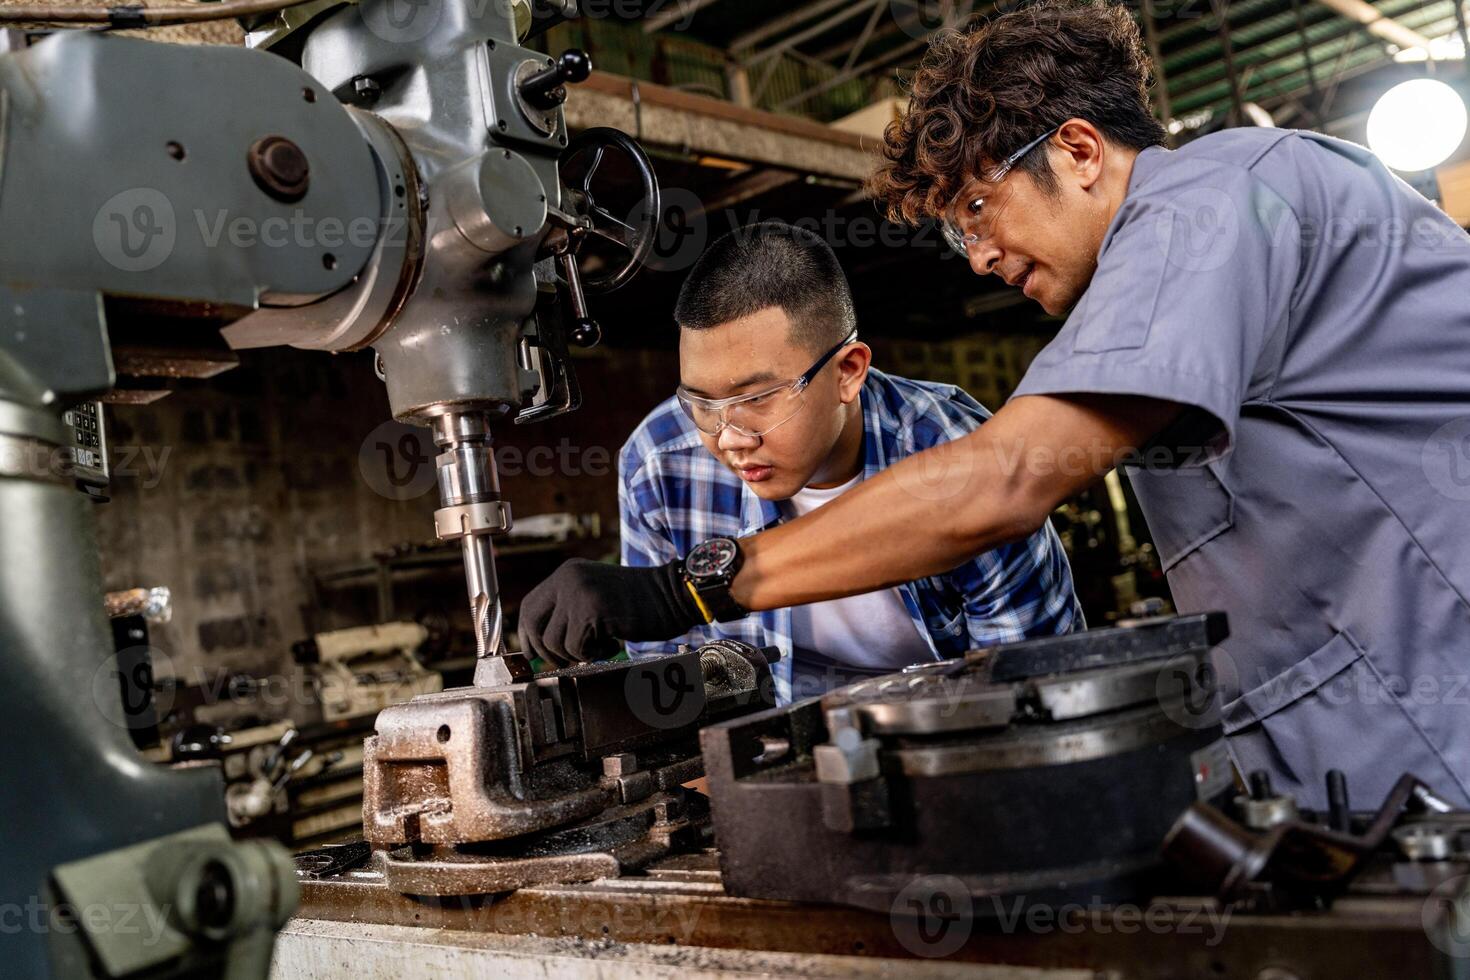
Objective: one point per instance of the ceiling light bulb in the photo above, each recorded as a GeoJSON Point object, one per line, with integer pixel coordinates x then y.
{"type": "Point", "coordinates": [1417, 124]}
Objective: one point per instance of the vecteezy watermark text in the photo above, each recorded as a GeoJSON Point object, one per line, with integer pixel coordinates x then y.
{"type": "Point", "coordinates": [397, 460]}
{"type": "Point", "coordinates": [45, 461]}
{"type": "Point", "coordinates": [139, 229]}
{"type": "Point", "coordinates": [935, 915]}
{"type": "Point", "coordinates": [301, 230]}
{"type": "Point", "coordinates": [65, 918]}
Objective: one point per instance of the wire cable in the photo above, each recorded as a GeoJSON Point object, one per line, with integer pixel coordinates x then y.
{"type": "Point", "coordinates": [130, 16]}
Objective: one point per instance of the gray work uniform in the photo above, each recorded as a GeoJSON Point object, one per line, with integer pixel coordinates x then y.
{"type": "Point", "coordinates": [1314, 312]}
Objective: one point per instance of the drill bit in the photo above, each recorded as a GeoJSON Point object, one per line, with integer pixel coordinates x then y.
{"type": "Point", "coordinates": [471, 509]}
{"type": "Point", "coordinates": [484, 594]}
{"type": "Point", "coordinates": [486, 614]}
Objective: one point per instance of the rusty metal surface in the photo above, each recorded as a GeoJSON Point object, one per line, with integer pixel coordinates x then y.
{"type": "Point", "coordinates": [132, 396]}
{"type": "Point", "coordinates": [491, 763]}
{"type": "Point", "coordinates": [1379, 931]}
{"type": "Point", "coordinates": [173, 362]}
{"type": "Point", "coordinates": [618, 840]}
{"type": "Point", "coordinates": [564, 776]}
{"type": "Point", "coordinates": [318, 950]}
{"type": "Point", "coordinates": [151, 603]}
{"type": "Point", "coordinates": [452, 768]}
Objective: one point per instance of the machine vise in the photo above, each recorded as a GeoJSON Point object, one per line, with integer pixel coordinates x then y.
{"type": "Point", "coordinates": [564, 776]}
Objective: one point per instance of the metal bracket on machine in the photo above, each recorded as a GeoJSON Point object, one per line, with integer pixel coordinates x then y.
{"type": "Point", "coordinates": [219, 900]}
{"type": "Point", "coordinates": [1294, 863]}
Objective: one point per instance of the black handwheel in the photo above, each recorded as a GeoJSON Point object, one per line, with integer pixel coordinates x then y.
{"type": "Point", "coordinates": [581, 160]}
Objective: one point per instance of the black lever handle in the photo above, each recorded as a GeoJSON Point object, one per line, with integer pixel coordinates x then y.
{"type": "Point", "coordinates": [585, 332]}
{"type": "Point", "coordinates": [547, 89]}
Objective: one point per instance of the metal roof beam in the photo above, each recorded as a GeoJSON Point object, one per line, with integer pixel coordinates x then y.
{"type": "Point", "coordinates": [817, 29]}
{"type": "Point", "coordinates": [1246, 36]}
{"type": "Point", "coordinates": [1155, 54]}
{"type": "Point", "coordinates": [1292, 85]}
{"type": "Point", "coordinates": [1385, 27]}
{"type": "Point", "coordinates": [881, 34]}
{"type": "Point", "coordinates": [783, 24]}
{"type": "Point", "coordinates": [696, 125]}
{"type": "Point", "coordinates": [1190, 20]}
{"type": "Point", "coordinates": [1333, 62]}
{"type": "Point", "coordinates": [682, 9]}
{"type": "Point", "coordinates": [849, 74]}
{"type": "Point", "coordinates": [863, 38]}
{"type": "Point", "coordinates": [979, 10]}
{"type": "Point", "coordinates": [1281, 56]}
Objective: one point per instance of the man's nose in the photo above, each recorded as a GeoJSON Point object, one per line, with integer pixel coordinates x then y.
{"type": "Point", "coordinates": [983, 256]}
{"type": "Point", "coordinates": [730, 440]}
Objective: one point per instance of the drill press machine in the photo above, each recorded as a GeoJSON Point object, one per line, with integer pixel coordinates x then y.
{"type": "Point", "coordinates": [408, 185]}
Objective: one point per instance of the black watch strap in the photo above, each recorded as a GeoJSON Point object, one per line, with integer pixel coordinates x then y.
{"type": "Point", "coordinates": [716, 602]}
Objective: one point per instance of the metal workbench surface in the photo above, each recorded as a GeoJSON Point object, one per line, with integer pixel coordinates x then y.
{"type": "Point", "coordinates": [677, 919]}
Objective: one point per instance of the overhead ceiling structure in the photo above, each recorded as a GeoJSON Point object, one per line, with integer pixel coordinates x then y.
{"type": "Point", "coordinates": [1214, 56]}
{"type": "Point", "coordinates": [1315, 64]}
{"type": "Point", "coordinates": [734, 98]}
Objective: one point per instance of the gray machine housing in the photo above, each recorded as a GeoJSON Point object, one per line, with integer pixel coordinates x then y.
{"type": "Point", "coordinates": [397, 192]}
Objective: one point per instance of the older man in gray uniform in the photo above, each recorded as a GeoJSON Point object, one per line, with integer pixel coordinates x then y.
{"type": "Point", "coordinates": [1267, 328]}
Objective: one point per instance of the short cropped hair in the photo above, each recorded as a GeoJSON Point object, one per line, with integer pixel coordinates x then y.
{"type": "Point", "coordinates": [770, 264]}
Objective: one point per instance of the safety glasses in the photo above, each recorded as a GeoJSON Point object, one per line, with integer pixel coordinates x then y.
{"type": "Point", "coordinates": [758, 412]}
{"type": "Point", "coordinates": [970, 218]}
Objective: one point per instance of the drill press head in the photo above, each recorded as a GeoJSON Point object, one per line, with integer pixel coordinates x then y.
{"type": "Point", "coordinates": [474, 291]}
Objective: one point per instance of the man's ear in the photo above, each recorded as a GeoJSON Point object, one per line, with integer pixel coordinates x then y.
{"type": "Point", "coordinates": [852, 370]}
{"type": "Point", "coordinates": [1081, 149]}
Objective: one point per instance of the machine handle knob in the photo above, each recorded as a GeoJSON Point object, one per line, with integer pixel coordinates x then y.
{"type": "Point", "coordinates": [586, 332]}
{"type": "Point", "coordinates": [547, 88]}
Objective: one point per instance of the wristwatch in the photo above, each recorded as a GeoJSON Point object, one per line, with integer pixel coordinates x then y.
{"type": "Point", "coordinates": [709, 568]}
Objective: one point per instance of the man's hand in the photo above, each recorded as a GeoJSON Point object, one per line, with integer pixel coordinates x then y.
{"type": "Point", "coordinates": [585, 607]}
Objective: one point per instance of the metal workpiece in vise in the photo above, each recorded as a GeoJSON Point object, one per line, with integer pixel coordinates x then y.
{"type": "Point", "coordinates": [564, 776]}
{"type": "Point", "coordinates": [1048, 771]}
{"type": "Point", "coordinates": [368, 177]}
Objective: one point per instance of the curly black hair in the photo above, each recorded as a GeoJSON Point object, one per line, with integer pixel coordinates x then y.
{"type": "Point", "coordinates": [988, 89]}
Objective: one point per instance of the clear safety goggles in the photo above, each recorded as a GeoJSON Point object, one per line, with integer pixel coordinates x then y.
{"type": "Point", "coordinates": [970, 217]}
{"type": "Point", "coordinates": [758, 412]}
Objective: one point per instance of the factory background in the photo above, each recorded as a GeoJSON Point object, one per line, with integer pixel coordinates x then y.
{"type": "Point", "coordinates": [272, 514]}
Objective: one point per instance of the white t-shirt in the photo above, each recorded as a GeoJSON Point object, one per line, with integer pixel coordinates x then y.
{"type": "Point", "coordinates": [872, 633]}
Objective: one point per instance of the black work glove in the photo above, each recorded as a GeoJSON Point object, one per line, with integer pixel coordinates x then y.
{"type": "Point", "coordinates": [585, 607]}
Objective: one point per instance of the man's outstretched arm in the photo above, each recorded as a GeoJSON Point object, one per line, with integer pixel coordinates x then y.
{"type": "Point", "coordinates": [920, 517]}
{"type": "Point", "coordinates": [936, 509]}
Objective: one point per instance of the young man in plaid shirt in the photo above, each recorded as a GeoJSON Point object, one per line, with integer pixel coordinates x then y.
{"type": "Point", "coordinates": [779, 412]}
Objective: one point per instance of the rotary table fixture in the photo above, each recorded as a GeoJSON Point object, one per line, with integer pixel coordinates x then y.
{"type": "Point", "coordinates": [1062, 805]}
{"type": "Point", "coordinates": [1050, 770]}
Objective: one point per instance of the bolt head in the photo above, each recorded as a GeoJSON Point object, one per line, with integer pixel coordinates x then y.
{"type": "Point", "coordinates": [279, 167]}
{"type": "Point", "coordinates": [367, 89]}
{"type": "Point", "coordinates": [667, 811]}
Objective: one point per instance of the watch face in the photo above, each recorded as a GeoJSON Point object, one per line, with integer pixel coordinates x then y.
{"type": "Point", "coordinates": [711, 558]}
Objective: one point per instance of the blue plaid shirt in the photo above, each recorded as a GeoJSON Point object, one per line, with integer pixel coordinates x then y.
{"type": "Point", "coordinates": [673, 494]}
